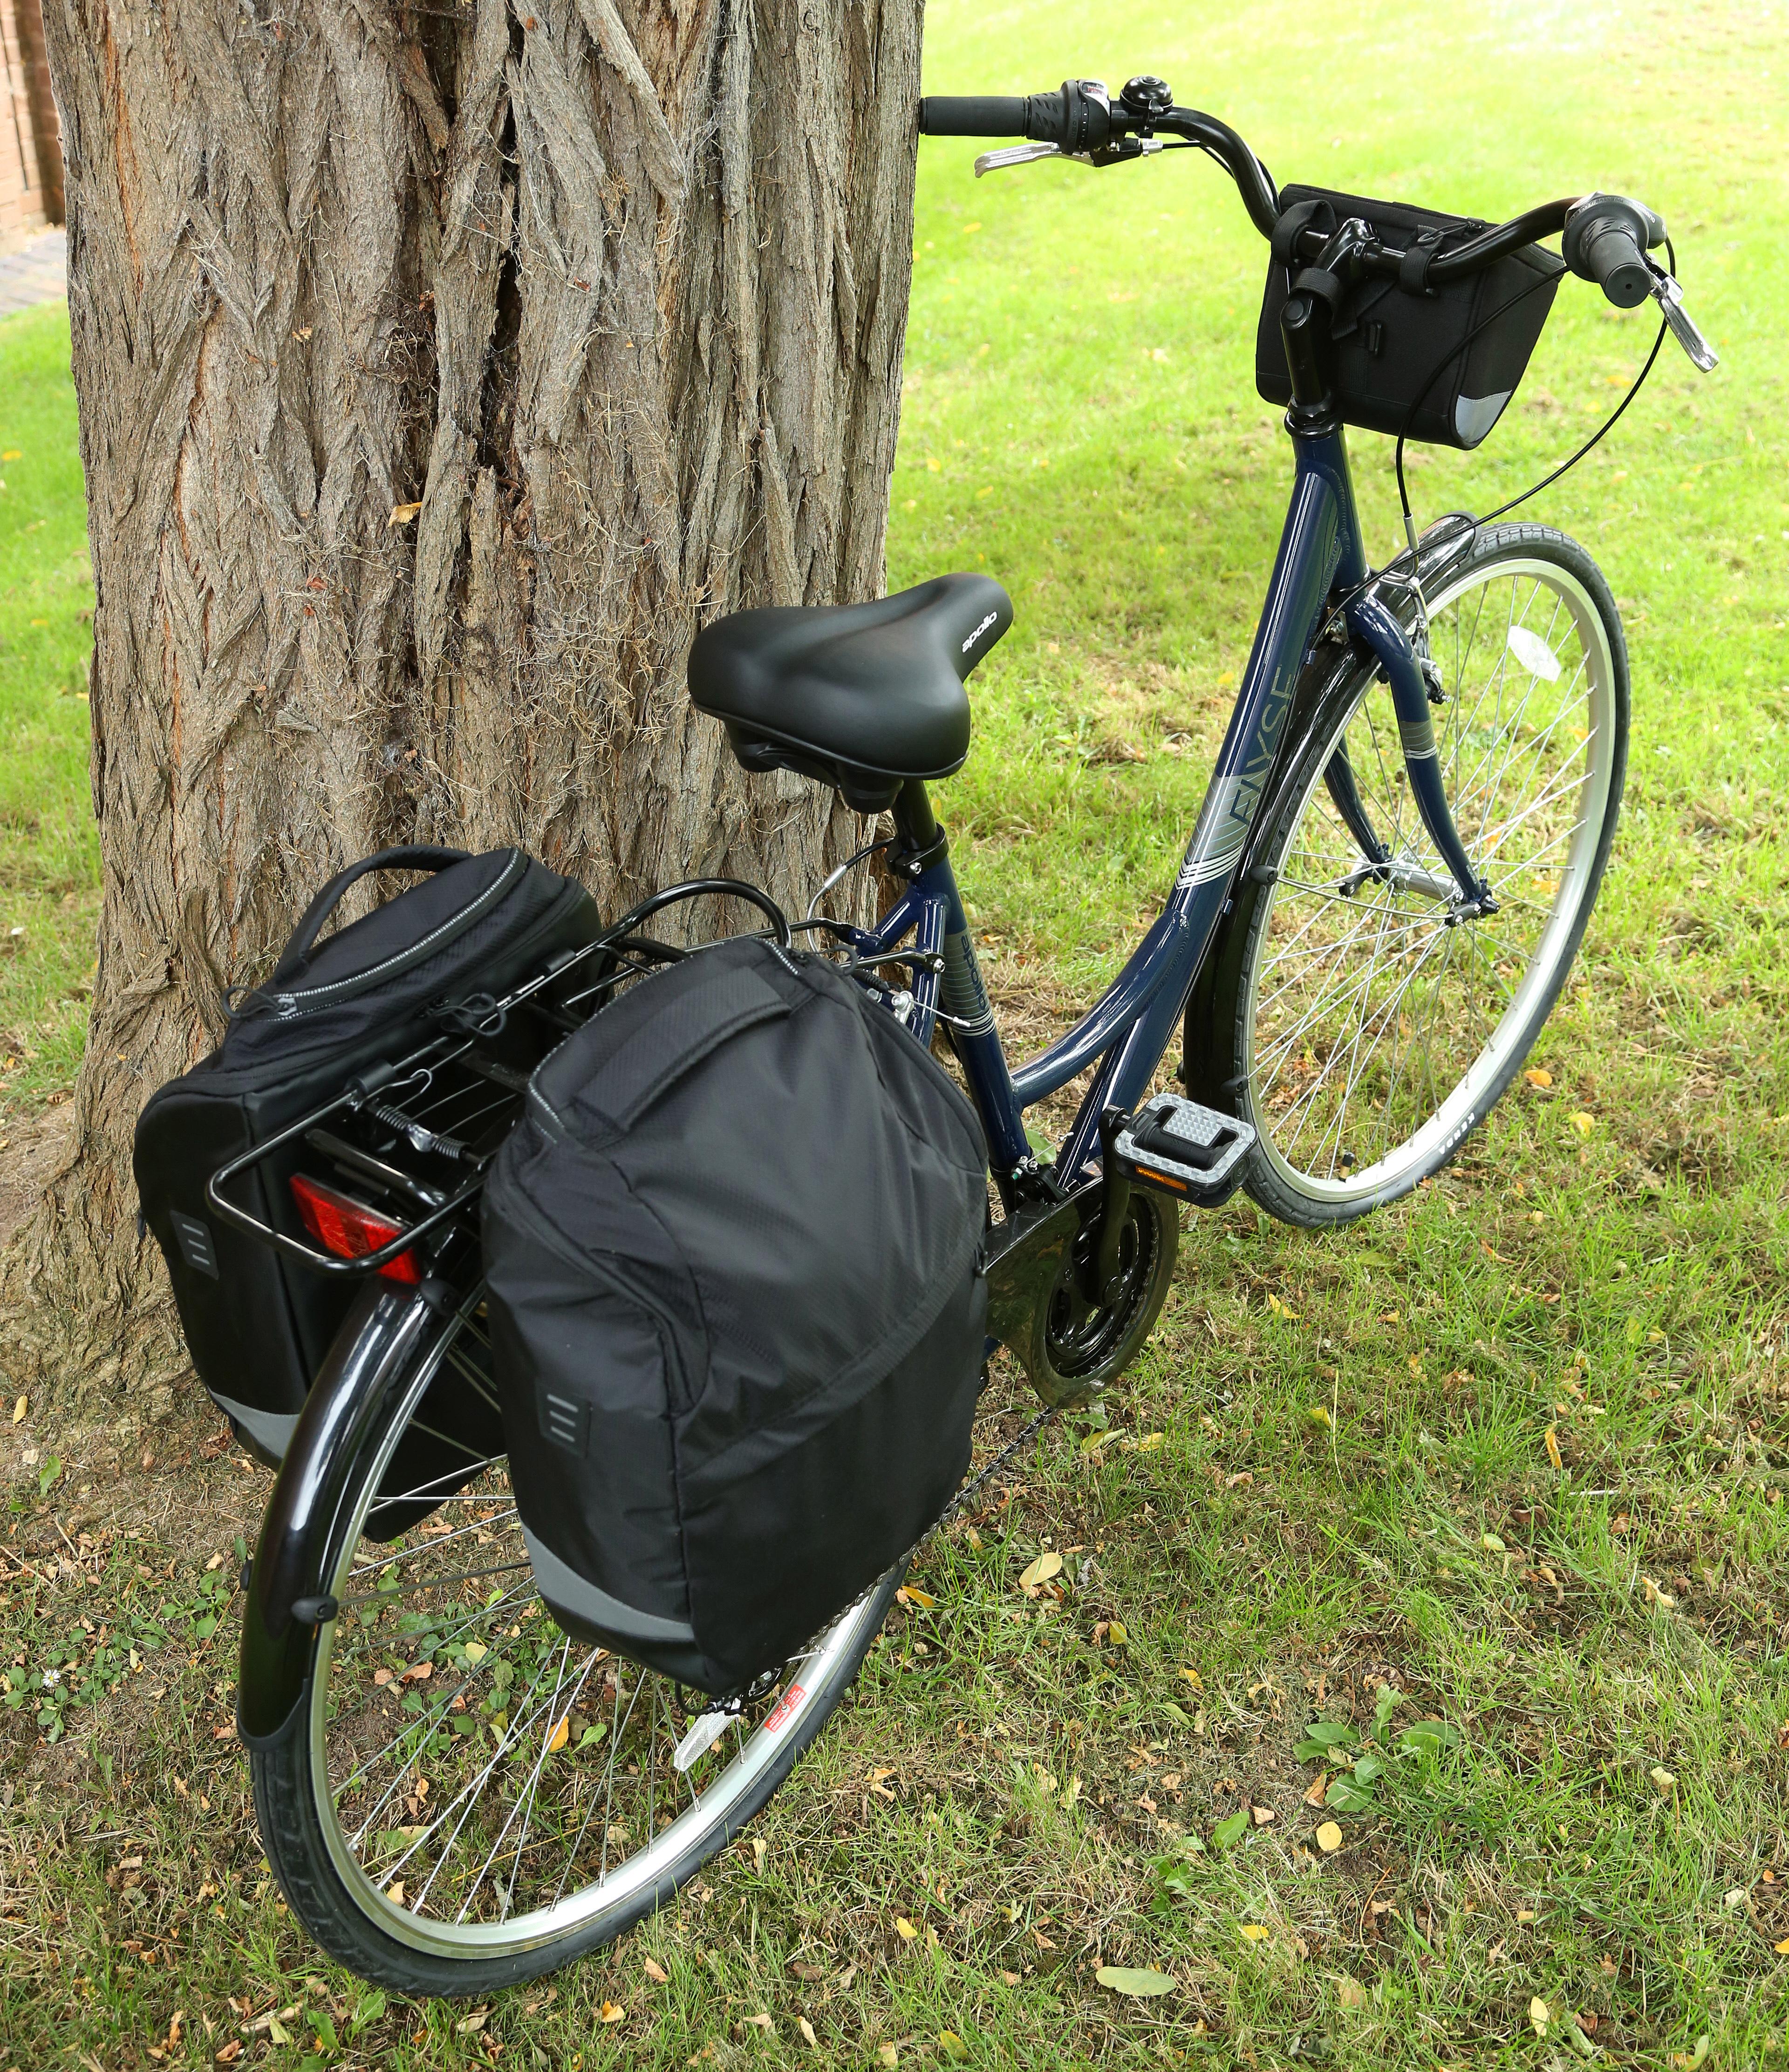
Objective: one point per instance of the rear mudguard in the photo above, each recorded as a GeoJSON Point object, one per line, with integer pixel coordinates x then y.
{"type": "Point", "coordinates": [374, 1353]}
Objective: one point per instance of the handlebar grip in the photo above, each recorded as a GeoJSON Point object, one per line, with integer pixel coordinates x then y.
{"type": "Point", "coordinates": [973, 115]}
{"type": "Point", "coordinates": [1606, 239]}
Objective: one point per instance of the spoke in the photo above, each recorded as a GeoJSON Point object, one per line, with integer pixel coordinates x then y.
{"type": "Point", "coordinates": [434, 1540]}
{"type": "Point", "coordinates": [511, 1738]}
{"type": "Point", "coordinates": [432, 1721]}
{"type": "Point", "coordinates": [456, 1476]}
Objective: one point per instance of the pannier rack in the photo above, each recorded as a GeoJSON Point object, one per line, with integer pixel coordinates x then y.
{"type": "Point", "coordinates": [453, 1101]}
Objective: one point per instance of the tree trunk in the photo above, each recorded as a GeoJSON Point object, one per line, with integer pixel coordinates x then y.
{"type": "Point", "coordinates": [440, 371]}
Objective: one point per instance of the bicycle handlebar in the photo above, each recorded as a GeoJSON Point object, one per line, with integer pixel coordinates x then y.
{"type": "Point", "coordinates": [1606, 237]}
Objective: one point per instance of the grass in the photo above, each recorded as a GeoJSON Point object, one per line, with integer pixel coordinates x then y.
{"type": "Point", "coordinates": [49, 848]}
{"type": "Point", "coordinates": [1331, 1473]}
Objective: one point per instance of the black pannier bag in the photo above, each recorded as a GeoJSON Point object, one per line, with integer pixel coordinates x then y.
{"type": "Point", "coordinates": [1397, 366]}
{"type": "Point", "coordinates": [737, 1309]}
{"type": "Point", "coordinates": [258, 1324]}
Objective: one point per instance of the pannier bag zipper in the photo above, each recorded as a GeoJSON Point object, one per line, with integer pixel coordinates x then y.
{"type": "Point", "coordinates": [311, 1000]}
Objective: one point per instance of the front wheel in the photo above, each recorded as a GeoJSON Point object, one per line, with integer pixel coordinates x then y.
{"type": "Point", "coordinates": [471, 1796]}
{"type": "Point", "coordinates": [1370, 1023]}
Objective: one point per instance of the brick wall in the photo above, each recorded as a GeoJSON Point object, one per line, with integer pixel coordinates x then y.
{"type": "Point", "coordinates": [30, 145]}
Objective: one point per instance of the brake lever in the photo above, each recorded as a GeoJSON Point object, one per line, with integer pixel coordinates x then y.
{"type": "Point", "coordinates": [1108, 154]}
{"type": "Point", "coordinates": [1015, 155]}
{"type": "Point", "coordinates": [1670, 299]}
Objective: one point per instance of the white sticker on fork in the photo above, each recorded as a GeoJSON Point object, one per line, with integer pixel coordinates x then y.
{"type": "Point", "coordinates": [701, 1738]}
{"type": "Point", "coordinates": [1533, 653]}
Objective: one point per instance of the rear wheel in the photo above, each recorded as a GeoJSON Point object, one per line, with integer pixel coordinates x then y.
{"type": "Point", "coordinates": [1371, 1024]}
{"type": "Point", "coordinates": [471, 1796]}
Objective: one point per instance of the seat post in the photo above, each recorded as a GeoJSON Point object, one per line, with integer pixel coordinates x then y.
{"type": "Point", "coordinates": [915, 822]}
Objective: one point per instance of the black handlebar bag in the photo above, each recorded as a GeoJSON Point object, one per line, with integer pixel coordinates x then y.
{"type": "Point", "coordinates": [258, 1325]}
{"type": "Point", "coordinates": [1438, 365]}
{"type": "Point", "coordinates": [737, 1309]}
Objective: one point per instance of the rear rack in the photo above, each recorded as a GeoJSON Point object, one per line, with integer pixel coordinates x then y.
{"type": "Point", "coordinates": [421, 1130]}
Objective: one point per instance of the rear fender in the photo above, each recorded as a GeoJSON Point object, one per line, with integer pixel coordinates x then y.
{"type": "Point", "coordinates": [373, 1355]}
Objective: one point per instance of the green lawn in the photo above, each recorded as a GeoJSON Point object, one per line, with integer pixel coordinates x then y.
{"type": "Point", "coordinates": [49, 850]}
{"type": "Point", "coordinates": [1333, 1471]}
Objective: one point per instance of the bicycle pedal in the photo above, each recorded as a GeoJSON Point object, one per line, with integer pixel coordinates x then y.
{"type": "Point", "coordinates": [1190, 1150]}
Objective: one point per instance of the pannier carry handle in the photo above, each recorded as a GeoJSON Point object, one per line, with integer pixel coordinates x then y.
{"type": "Point", "coordinates": [410, 857]}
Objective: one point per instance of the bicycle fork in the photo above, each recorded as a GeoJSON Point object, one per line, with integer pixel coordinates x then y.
{"type": "Point", "coordinates": [1469, 896]}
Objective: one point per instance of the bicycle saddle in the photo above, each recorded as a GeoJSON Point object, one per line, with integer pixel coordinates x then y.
{"type": "Point", "coordinates": [860, 696]}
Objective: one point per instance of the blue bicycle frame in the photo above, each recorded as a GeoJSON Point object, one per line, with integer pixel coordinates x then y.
{"type": "Point", "coordinates": [1321, 567]}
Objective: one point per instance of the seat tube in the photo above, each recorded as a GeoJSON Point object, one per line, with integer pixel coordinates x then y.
{"type": "Point", "coordinates": [921, 854]}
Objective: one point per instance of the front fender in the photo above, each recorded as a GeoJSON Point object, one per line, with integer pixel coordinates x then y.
{"type": "Point", "coordinates": [374, 1352]}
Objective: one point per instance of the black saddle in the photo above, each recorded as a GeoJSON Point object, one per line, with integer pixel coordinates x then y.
{"type": "Point", "coordinates": [861, 695]}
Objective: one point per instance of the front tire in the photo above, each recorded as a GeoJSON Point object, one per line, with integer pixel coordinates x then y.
{"type": "Point", "coordinates": [468, 1797]}
{"type": "Point", "coordinates": [1371, 1027]}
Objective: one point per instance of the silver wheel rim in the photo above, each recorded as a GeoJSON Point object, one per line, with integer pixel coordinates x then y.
{"type": "Point", "coordinates": [473, 1876]}
{"type": "Point", "coordinates": [1375, 1036]}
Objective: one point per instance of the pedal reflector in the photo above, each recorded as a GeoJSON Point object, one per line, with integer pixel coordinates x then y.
{"type": "Point", "coordinates": [1184, 1147]}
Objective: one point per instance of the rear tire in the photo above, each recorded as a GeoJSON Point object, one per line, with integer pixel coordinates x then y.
{"type": "Point", "coordinates": [1369, 1029]}
{"type": "Point", "coordinates": [409, 1862]}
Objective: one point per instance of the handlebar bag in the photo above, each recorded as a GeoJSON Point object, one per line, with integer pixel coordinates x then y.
{"type": "Point", "coordinates": [257, 1323]}
{"type": "Point", "coordinates": [736, 1310]}
{"type": "Point", "coordinates": [1438, 365]}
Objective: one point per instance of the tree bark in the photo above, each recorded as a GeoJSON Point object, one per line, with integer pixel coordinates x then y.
{"type": "Point", "coordinates": [441, 370]}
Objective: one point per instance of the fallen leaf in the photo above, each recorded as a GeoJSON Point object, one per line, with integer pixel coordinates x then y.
{"type": "Point", "coordinates": [806, 2029]}
{"type": "Point", "coordinates": [475, 1652]}
{"type": "Point", "coordinates": [1782, 1948]}
{"type": "Point", "coordinates": [1538, 2016]}
{"type": "Point", "coordinates": [1009, 1978]}
{"type": "Point", "coordinates": [952, 2043]}
{"type": "Point", "coordinates": [394, 1892]}
{"type": "Point", "coordinates": [1350, 1992]}
{"type": "Point", "coordinates": [1663, 1778]}
{"type": "Point", "coordinates": [1328, 1838]}
{"type": "Point", "coordinates": [1491, 1543]}
{"type": "Point", "coordinates": [760, 1848]}
{"type": "Point", "coordinates": [471, 2025]}
{"type": "Point", "coordinates": [613, 2011]}
{"type": "Point", "coordinates": [886, 2052]}
{"type": "Point", "coordinates": [1314, 1796]}
{"type": "Point", "coordinates": [1194, 1678]}
{"type": "Point", "coordinates": [1117, 1632]}
{"type": "Point", "coordinates": [18, 1411]}
{"type": "Point", "coordinates": [1583, 1124]}
{"type": "Point", "coordinates": [1537, 1077]}
{"type": "Point", "coordinates": [760, 2021]}
{"type": "Point", "coordinates": [1653, 1595]}
{"type": "Point", "coordinates": [1552, 1448]}
{"type": "Point", "coordinates": [909, 1595]}
{"type": "Point", "coordinates": [1253, 1932]}
{"type": "Point", "coordinates": [905, 1928]}
{"type": "Point", "coordinates": [1040, 1572]}
{"type": "Point", "coordinates": [1150, 1441]}
{"type": "Point", "coordinates": [560, 1736]}
{"type": "Point", "coordinates": [658, 1976]}
{"type": "Point", "coordinates": [401, 514]}
{"type": "Point", "coordinates": [1094, 1441]}
{"type": "Point", "coordinates": [1280, 1309]}
{"type": "Point", "coordinates": [1136, 1985]}
{"type": "Point", "coordinates": [1263, 1815]}
{"type": "Point", "coordinates": [231, 2052]}
{"type": "Point", "coordinates": [277, 2030]}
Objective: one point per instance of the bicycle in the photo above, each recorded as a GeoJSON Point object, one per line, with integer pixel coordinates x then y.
{"type": "Point", "coordinates": [1398, 854]}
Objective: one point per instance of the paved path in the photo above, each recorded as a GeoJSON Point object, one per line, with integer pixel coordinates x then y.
{"type": "Point", "coordinates": [36, 273]}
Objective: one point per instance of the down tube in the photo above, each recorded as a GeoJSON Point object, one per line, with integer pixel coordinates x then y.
{"type": "Point", "coordinates": [1321, 541]}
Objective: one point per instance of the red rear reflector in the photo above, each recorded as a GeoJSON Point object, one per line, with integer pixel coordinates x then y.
{"type": "Point", "coordinates": [349, 1228]}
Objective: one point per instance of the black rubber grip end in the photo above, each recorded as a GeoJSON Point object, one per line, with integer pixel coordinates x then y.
{"type": "Point", "coordinates": [973, 115]}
